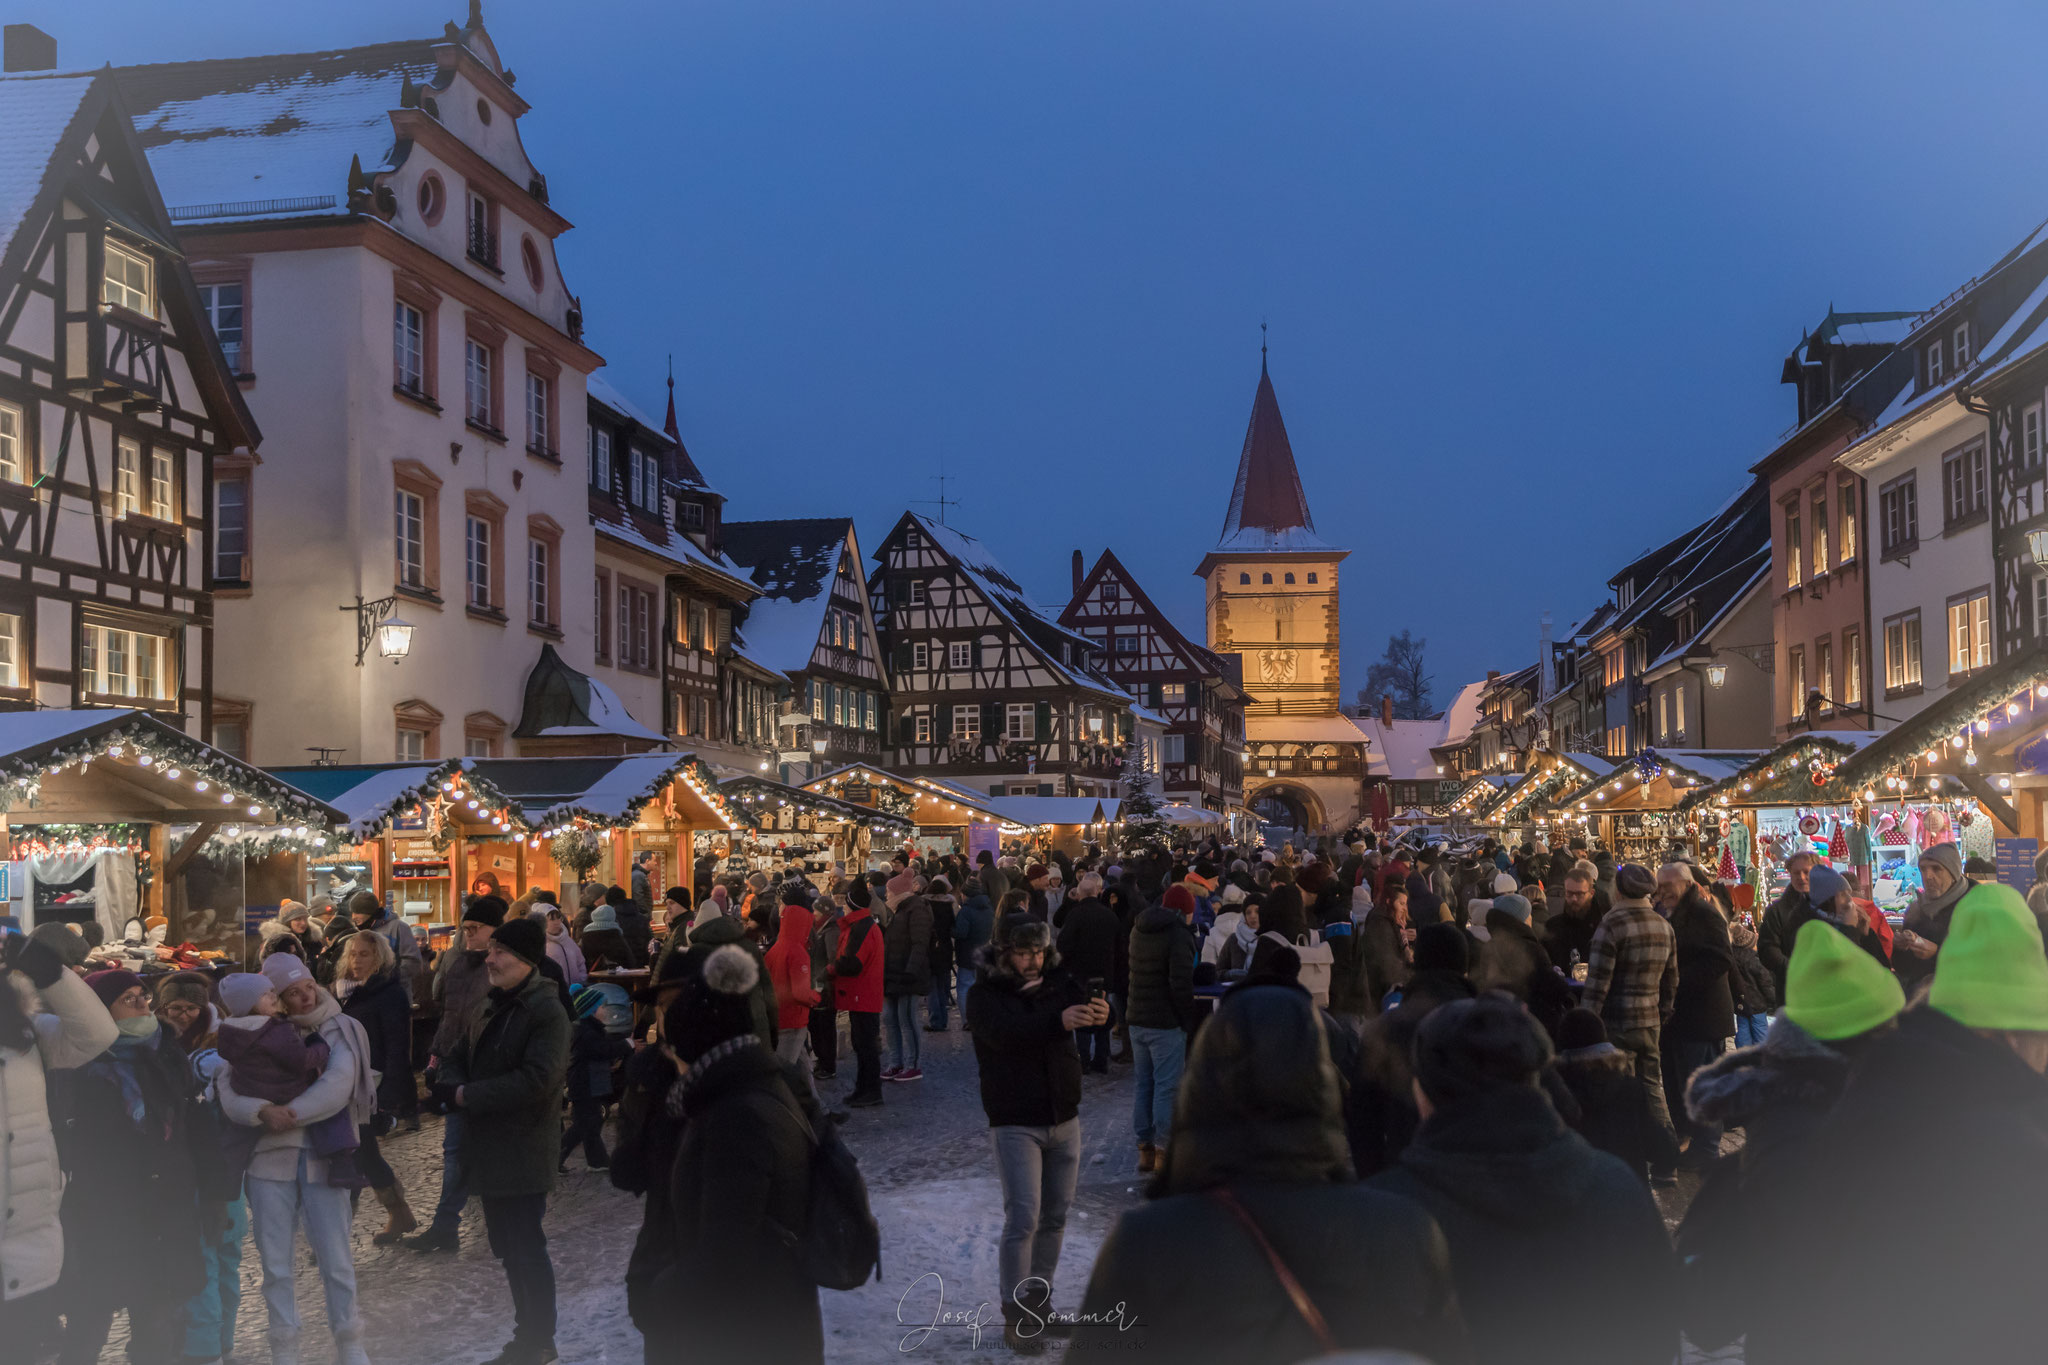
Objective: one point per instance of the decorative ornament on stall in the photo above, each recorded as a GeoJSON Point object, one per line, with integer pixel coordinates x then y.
{"type": "Point", "coordinates": [1649, 765]}
{"type": "Point", "coordinates": [1821, 773]}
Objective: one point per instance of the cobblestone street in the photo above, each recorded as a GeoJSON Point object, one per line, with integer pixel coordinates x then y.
{"type": "Point", "coordinates": [929, 1172]}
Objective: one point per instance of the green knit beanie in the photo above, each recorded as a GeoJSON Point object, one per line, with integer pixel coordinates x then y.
{"type": "Point", "coordinates": [1992, 973]}
{"type": "Point", "coordinates": [1835, 990]}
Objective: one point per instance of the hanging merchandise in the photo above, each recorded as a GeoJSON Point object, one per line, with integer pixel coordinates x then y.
{"type": "Point", "coordinates": [1838, 844]}
{"type": "Point", "coordinates": [1726, 871]}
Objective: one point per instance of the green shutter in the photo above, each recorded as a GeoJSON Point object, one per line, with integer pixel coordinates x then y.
{"type": "Point", "coordinates": [906, 728]}
{"type": "Point", "coordinates": [991, 722]}
{"type": "Point", "coordinates": [1041, 728]}
{"type": "Point", "coordinates": [1154, 695]}
{"type": "Point", "coordinates": [900, 657]}
{"type": "Point", "coordinates": [945, 724]}
{"type": "Point", "coordinates": [977, 653]}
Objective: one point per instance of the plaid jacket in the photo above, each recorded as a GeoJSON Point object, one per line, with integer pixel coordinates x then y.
{"type": "Point", "coordinates": [1632, 969]}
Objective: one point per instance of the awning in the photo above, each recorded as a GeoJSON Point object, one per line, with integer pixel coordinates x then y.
{"type": "Point", "coordinates": [751, 797]}
{"type": "Point", "coordinates": [1987, 716]}
{"type": "Point", "coordinates": [932, 804]}
{"type": "Point", "coordinates": [1799, 772]}
{"type": "Point", "coordinates": [98, 766]}
{"type": "Point", "coordinates": [1659, 779]}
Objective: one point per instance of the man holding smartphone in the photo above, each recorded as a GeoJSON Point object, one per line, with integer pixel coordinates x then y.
{"type": "Point", "coordinates": [1023, 1011]}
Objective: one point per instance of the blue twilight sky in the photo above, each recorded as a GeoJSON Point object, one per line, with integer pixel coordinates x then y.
{"type": "Point", "coordinates": [1531, 266]}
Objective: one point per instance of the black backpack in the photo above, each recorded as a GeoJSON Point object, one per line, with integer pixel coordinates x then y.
{"type": "Point", "coordinates": [842, 1245]}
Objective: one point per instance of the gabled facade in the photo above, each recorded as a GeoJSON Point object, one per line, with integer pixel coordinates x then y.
{"type": "Point", "coordinates": [2012, 382]}
{"type": "Point", "coordinates": [667, 597]}
{"type": "Point", "coordinates": [1846, 373]}
{"type": "Point", "coordinates": [376, 253]}
{"type": "Point", "coordinates": [1941, 599]}
{"type": "Point", "coordinates": [813, 624]}
{"type": "Point", "coordinates": [117, 411]}
{"type": "Point", "coordinates": [988, 690]}
{"type": "Point", "coordinates": [1189, 687]}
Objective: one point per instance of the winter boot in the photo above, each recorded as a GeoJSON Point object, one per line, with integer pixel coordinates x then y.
{"type": "Point", "coordinates": [401, 1221]}
{"type": "Point", "coordinates": [1148, 1158]}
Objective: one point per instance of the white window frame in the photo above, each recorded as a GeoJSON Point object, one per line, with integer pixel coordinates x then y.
{"type": "Point", "coordinates": [211, 305]}
{"type": "Point", "coordinates": [1173, 694]}
{"type": "Point", "coordinates": [1962, 346]}
{"type": "Point", "coordinates": [1175, 749]}
{"type": "Point", "coordinates": [1934, 353]}
{"type": "Point", "coordinates": [600, 458]}
{"type": "Point", "coordinates": [967, 723]}
{"type": "Point", "coordinates": [1902, 648]}
{"type": "Point", "coordinates": [537, 398]}
{"type": "Point", "coordinates": [960, 656]}
{"type": "Point", "coordinates": [410, 519]}
{"type": "Point", "coordinates": [122, 290]}
{"type": "Point", "coordinates": [127, 476]}
{"type": "Point", "coordinates": [922, 727]}
{"type": "Point", "coordinates": [1020, 721]}
{"type": "Point", "coordinates": [477, 361]}
{"type": "Point", "coordinates": [1796, 670]}
{"type": "Point", "coordinates": [14, 463]}
{"type": "Point", "coordinates": [124, 663]}
{"type": "Point", "coordinates": [539, 570]}
{"type": "Point", "coordinates": [476, 561]}
{"type": "Point", "coordinates": [10, 651]}
{"type": "Point", "coordinates": [1969, 632]}
{"type": "Point", "coordinates": [920, 655]}
{"type": "Point", "coordinates": [916, 592]}
{"type": "Point", "coordinates": [411, 745]}
{"type": "Point", "coordinates": [1852, 667]}
{"type": "Point", "coordinates": [409, 345]}
{"type": "Point", "coordinates": [162, 484]}
{"type": "Point", "coordinates": [1795, 545]}
{"type": "Point", "coordinates": [228, 555]}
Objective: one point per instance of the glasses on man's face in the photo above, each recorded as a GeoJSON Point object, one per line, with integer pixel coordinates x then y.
{"type": "Point", "coordinates": [134, 999]}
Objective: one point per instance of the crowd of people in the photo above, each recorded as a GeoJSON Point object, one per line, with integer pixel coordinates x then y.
{"type": "Point", "coordinates": [1385, 1098]}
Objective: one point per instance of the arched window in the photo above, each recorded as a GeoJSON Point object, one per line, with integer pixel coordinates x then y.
{"type": "Point", "coordinates": [1311, 578]}
{"type": "Point", "coordinates": [1265, 578]}
{"type": "Point", "coordinates": [1287, 577]}
{"type": "Point", "coordinates": [1244, 578]}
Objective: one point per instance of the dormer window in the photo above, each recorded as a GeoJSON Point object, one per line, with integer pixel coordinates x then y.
{"type": "Point", "coordinates": [690, 515]}
{"type": "Point", "coordinates": [128, 282]}
{"type": "Point", "coordinates": [601, 460]}
{"type": "Point", "coordinates": [1934, 364]}
{"type": "Point", "coordinates": [643, 481]}
{"type": "Point", "coordinates": [1962, 339]}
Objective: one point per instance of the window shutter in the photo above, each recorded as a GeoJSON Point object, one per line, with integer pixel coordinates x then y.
{"type": "Point", "coordinates": [977, 653]}
{"type": "Point", "coordinates": [945, 723]}
{"type": "Point", "coordinates": [1041, 727]}
{"type": "Point", "coordinates": [724, 629]}
{"type": "Point", "coordinates": [899, 591]}
{"type": "Point", "coordinates": [991, 722]}
{"type": "Point", "coordinates": [1154, 695]}
{"type": "Point", "coordinates": [899, 659]}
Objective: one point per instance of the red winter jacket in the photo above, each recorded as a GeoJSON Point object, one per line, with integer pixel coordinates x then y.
{"type": "Point", "coordinates": [861, 994]}
{"type": "Point", "coordinates": [789, 969]}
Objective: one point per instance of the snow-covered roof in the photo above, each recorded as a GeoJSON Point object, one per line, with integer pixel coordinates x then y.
{"type": "Point", "coordinates": [1400, 751]}
{"type": "Point", "coordinates": [608, 716]}
{"type": "Point", "coordinates": [794, 563]}
{"type": "Point", "coordinates": [35, 113]}
{"type": "Point", "coordinates": [1048, 810]}
{"type": "Point", "coordinates": [1007, 596]}
{"type": "Point", "coordinates": [366, 794]}
{"type": "Point", "coordinates": [604, 391]}
{"type": "Point", "coordinates": [1462, 715]}
{"type": "Point", "coordinates": [1880, 331]}
{"type": "Point", "coordinates": [1145, 715]}
{"type": "Point", "coordinates": [673, 546]}
{"type": "Point", "coordinates": [565, 703]}
{"type": "Point", "coordinates": [252, 138]}
{"type": "Point", "coordinates": [1303, 730]}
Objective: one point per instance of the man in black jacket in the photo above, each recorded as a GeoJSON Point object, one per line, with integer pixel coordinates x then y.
{"type": "Point", "coordinates": [1022, 1008]}
{"type": "Point", "coordinates": [1087, 944]}
{"type": "Point", "coordinates": [1162, 1015]}
{"type": "Point", "coordinates": [1779, 927]}
{"type": "Point", "coordinates": [1703, 1009]}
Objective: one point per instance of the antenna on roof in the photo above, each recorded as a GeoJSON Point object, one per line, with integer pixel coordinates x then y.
{"type": "Point", "coordinates": [942, 502]}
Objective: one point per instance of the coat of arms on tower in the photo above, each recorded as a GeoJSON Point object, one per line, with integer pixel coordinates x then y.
{"type": "Point", "coordinates": [1276, 665]}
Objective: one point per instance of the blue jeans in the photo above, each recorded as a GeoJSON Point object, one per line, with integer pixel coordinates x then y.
{"type": "Point", "coordinates": [942, 992]}
{"type": "Point", "coordinates": [276, 1209]}
{"type": "Point", "coordinates": [964, 980]}
{"type": "Point", "coordinates": [1751, 1028]}
{"type": "Point", "coordinates": [210, 1314]}
{"type": "Point", "coordinates": [1160, 1054]}
{"type": "Point", "coordinates": [899, 1016]}
{"type": "Point", "coordinates": [1039, 1168]}
{"type": "Point", "coordinates": [448, 1211]}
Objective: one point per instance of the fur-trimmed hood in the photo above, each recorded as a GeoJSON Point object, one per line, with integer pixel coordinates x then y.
{"type": "Point", "coordinates": [1790, 1066]}
{"type": "Point", "coordinates": [272, 929]}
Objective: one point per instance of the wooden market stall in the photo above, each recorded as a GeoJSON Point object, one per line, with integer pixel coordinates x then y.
{"type": "Point", "coordinates": [116, 819]}
{"type": "Point", "coordinates": [1531, 803]}
{"type": "Point", "coordinates": [1637, 806]}
{"type": "Point", "coordinates": [781, 825]}
{"type": "Point", "coordinates": [422, 836]}
{"type": "Point", "coordinates": [948, 819]}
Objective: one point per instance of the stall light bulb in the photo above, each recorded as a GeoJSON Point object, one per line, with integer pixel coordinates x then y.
{"type": "Point", "coordinates": [1934, 784]}
{"type": "Point", "coordinates": [255, 810]}
{"type": "Point", "coordinates": [1957, 741]}
{"type": "Point", "coordinates": [199, 786]}
{"type": "Point", "coordinates": [227, 798]}
{"type": "Point", "coordinates": [145, 760]}
{"type": "Point", "coordinates": [1971, 758]}
{"type": "Point", "coordinates": [173, 774]}
{"type": "Point", "coordinates": [2012, 708]}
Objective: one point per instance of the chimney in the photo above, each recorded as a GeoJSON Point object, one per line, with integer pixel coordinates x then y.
{"type": "Point", "coordinates": [1387, 709]}
{"type": "Point", "coordinates": [1078, 575]}
{"type": "Point", "coordinates": [24, 47]}
{"type": "Point", "coordinates": [1493, 675]}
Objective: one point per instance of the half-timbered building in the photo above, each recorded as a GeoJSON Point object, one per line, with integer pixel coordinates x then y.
{"type": "Point", "coordinates": [1271, 587]}
{"type": "Point", "coordinates": [116, 411]}
{"type": "Point", "coordinates": [814, 625]}
{"type": "Point", "coordinates": [376, 253]}
{"type": "Point", "coordinates": [1190, 687]}
{"type": "Point", "coordinates": [988, 689]}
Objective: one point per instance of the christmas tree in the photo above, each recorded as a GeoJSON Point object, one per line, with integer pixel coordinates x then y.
{"type": "Point", "coordinates": [1143, 818]}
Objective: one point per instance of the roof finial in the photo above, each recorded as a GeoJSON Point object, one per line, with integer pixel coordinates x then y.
{"type": "Point", "coordinates": [1262, 345]}
{"type": "Point", "coordinates": [668, 424]}
{"type": "Point", "coordinates": [476, 14]}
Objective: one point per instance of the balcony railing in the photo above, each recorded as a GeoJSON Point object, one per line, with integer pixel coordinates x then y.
{"type": "Point", "coordinates": [483, 246]}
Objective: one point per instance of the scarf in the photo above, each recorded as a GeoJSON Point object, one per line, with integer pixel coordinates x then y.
{"type": "Point", "coordinates": [136, 1037]}
{"type": "Point", "coordinates": [1247, 937]}
{"type": "Point", "coordinates": [362, 1100]}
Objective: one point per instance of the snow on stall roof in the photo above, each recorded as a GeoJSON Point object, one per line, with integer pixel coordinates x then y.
{"type": "Point", "coordinates": [24, 730]}
{"type": "Point", "coordinates": [35, 113]}
{"type": "Point", "coordinates": [270, 137]}
{"type": "Point", "coordinates": [372, 797]}
{"type": "Point", "coordinates": [1047, 810]}
{"type": "Point", "coordinates": [612, 795]}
